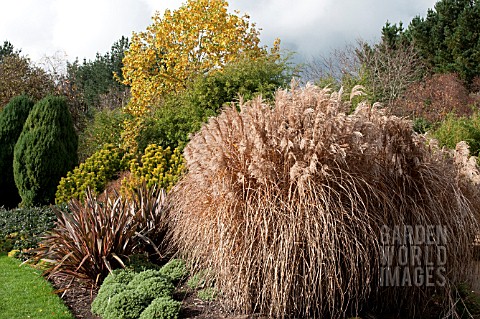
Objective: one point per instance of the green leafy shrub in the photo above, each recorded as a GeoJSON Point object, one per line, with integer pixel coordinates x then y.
{"type": "Point", "coordinates": [6, 243]}
{"type": "Point", "coordinates": [94, 174]}
{"type": "Point", "coordinates": [171, 124]}
{"type": "Point", "coordinates": [245, 77]}
{"type": "Point", "coordinates": [105, 128]}
{"type": "Point", "coordinates": [96, 235]}
{"type": "Point", "coordinates": [455, 129]}
{"type": "Point", "coordinates": [45, 151]}
{"type": "Point", "coordinates": [157, 167]}
{"type": "Point", "coordinates": [421, 125]}
{"type": "Point", "coordinates": [12, 119]}
{"type": "Point", "coordinates": [175, 270]}
{"type": "Point", "coordinates": [162, 308]}
{"type": "Point", "coordinates": [180, 115]}
{"type": "Point", "coordinates": [21, 228]}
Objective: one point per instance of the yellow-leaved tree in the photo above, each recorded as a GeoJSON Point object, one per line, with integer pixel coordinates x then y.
{"type": "Point", "coordinates": [197, 38]}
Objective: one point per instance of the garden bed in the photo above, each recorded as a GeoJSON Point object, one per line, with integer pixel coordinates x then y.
{"type": "Point", "coordinates": [79, 298]}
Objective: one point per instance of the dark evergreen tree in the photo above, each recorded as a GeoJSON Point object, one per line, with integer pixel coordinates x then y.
{"type": "Point", "coordinates": [97, 78]}
{"type": "Point", "coordinates": [7, 49]}
{"type": "Point", "coordinates": [45, 151]}
{"type": "Point", "coordinates": [465, 42]}
{"type": "Point", "coordinates": [394, 36]}
{"type": "Point", "coordinates": [448, 38]}
{"type": "Point", "coordinates": [12, 119]}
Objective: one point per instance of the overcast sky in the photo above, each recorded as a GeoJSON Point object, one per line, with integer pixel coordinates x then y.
{"type": "Point", "coordinates": [308, 27]}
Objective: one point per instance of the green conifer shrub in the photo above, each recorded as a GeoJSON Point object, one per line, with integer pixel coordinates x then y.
{"type": "Point", "coordinates": [128, 304]}
{"type": "Point", "coordinates": [175, 270]}
{"type": "Point", "coordinates": [12, 119]}
{"type": "Point", "coordinates": [119, 276]}
{"type": "Point", "coordinates": [158, 166]}
{"type": "Point", "coordinates": [105, 294]}
{"type": "Point", "coordinates": [45, 151]}
{"type": "Point", "coordinates": [162, 308]}
{"type": "Point", "coordinates": [155, 287]}
{"type": "Point", "coordinates": [126, 294]}
{"type": "Point", "coordinates": [455, 129]}
{"type": "Point", "coordinates": [97, 170]}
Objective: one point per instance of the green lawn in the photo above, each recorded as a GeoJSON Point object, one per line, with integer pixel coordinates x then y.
{"type": "Point", "coordinates": [25, 294]}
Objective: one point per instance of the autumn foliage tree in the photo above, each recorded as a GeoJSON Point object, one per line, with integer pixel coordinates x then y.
{"type": "Point", "coordinates": [198, 37]}
{"type": "Point", "coordinates": [435, 98]}
{"type": "Point", "coordinates": [18, 75]}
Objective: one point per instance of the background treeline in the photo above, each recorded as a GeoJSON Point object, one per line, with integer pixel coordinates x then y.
{"type": "Point", "coordinates": [441, 50]}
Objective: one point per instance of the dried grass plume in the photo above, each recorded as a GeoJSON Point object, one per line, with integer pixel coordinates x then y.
{"type": "Point", "coordinates": [285, 204]}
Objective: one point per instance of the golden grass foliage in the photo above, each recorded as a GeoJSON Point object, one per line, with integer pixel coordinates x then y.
{"type": "Point", "coordinates": [285, 205]}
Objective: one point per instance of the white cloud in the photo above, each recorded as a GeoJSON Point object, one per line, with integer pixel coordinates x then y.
{"type": "Point", "coordinates": [91, 26]}
{"type": "Point", "coordinates": [27, 24]}
{"type": "Point", "coordinates": [82, 28]}
{"type": "Point", "coordinates": [161, 6]}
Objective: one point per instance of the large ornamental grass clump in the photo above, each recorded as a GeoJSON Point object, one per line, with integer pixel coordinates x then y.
{"type": "Point", "coordinates": [287, 205]}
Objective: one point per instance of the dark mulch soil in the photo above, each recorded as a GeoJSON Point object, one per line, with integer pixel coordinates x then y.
{"type": "Point", "coordinates": [193, 307]}
{"type": "Point", "coordinates": [79, 298]}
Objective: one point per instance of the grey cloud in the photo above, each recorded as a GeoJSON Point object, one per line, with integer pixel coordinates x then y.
{"type": "Point", "coordinates": [309, 27]}
{"type": "Point", "coordinates": [317, 27]}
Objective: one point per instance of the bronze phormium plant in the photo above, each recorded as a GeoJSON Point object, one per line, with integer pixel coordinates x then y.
{"type": "Point", "coordinates": [286, 203]}
{"type": "Point", "coordinates": [95, 236]}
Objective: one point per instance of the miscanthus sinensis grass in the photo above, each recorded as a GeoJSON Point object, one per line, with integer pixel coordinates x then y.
{"type": "Point", "coordinates": [285, 205]}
